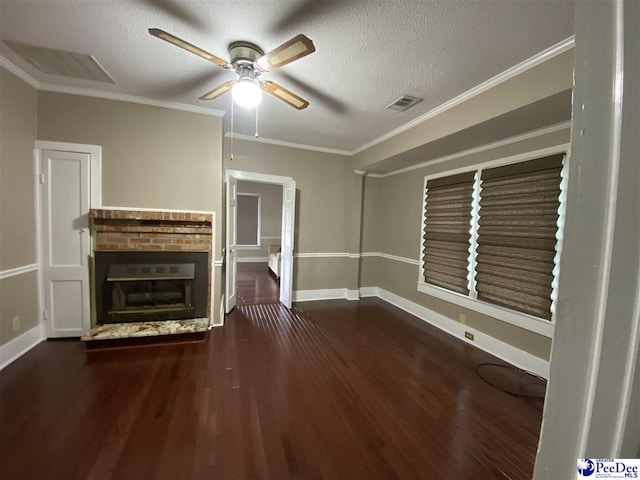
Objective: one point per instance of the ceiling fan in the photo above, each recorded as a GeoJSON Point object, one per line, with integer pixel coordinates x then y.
{"type": "Point", "coordinates": [249, 62]}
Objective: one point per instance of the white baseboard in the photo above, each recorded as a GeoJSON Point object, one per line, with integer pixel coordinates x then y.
{"type": "Point", "coordinates": [369, 292]}
{"type": "Point", "coordinates": [252, 260]}
{"type": "Point", "coordinates": [20, 345]}
{"type": "Point", "coordinates": [489, 344]}
{"type": "Point", "coordinates": [352, 294]}
{"type": "Point", "coordinates": [329, 294]}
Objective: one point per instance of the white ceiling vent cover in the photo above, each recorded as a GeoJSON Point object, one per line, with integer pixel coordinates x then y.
{"type": "Point", "coordinates": [61, 63]}
{"type": "Point", "coordinates": [405, 102]}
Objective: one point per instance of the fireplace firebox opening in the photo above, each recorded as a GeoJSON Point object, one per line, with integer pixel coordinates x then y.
{"type": "Point", "coordinates": [150, 286]}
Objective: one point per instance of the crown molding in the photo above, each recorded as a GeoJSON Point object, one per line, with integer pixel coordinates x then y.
{"type": "Point", "coordinates": [482, 148]}
{"type": "Point", "coordinates": [87, 92]}
{"type": "Point", "coordinates": [281, 143]}
{"type": "Point", "coordinates": [508, 74]}
{"type": "Point", "coordinates": [502, 77]}
{"type": "Point", "coordinates": [18, 72]}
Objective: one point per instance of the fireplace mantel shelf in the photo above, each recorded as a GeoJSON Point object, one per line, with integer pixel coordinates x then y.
{"type": "Point", "coordinates": [150, 216]}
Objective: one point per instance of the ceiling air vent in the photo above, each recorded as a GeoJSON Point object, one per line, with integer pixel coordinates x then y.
{"type": "Point", "coordinates": [61, 63]}
{"type": "Point", "coordinates": [405, 102]}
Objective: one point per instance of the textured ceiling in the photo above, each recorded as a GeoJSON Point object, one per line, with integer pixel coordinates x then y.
{"type": "Point", "coordinates": [368, 53]}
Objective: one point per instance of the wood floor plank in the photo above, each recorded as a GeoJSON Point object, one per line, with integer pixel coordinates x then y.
{"type": "Point", "coordinates": [327, 390]}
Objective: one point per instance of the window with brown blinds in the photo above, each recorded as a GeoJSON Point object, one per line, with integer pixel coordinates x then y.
{"type": "Point", "coordinates": [516, 238]}
{"type": "Point", "coordinates": [447, 231]}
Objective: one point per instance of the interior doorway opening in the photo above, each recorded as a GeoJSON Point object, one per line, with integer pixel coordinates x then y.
{"type": "Point", "coordinates": [259, 236]}
{"type": "Point", "coordinates": [274, 250]}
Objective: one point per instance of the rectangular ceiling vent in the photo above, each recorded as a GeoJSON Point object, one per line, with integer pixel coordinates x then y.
{"type": "Point", "coordinates": [405, 102]}
{"type": "Point", "coordinates": [61, 63]}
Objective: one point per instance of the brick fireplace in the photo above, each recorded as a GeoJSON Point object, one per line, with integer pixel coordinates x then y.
{"type": "Point", "coordinates": [151, 265]}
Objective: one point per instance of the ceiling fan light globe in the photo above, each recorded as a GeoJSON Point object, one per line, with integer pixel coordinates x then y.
{"type": "Point", "coordinates": [246, 94]}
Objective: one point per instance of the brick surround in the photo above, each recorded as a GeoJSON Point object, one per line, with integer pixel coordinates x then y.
{"type": "Point", "coordinates": [134, 230]}
{"type": "Point", "coordinates": [154, 231]}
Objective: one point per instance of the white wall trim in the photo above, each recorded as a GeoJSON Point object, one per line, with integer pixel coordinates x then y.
{"type": "Point", "coordinates": [18, 72]}
{"type": "Point", "coordinates": [512, 72]}
{"type": "Point", "coordinates": [506, 352]}
{"type": "Point", "coordinates": [168, 210]}
{"type": "Point", "coordinates": [122, 97]}
{"type": "Point", "coordinates": [20, 345]}
{"type": "Point", "coordinates": [252, 259]}
{"type": "Point", "coordinates": [322, 255]}
{"type": "Point", "coordinates": [212, 273]}
{"type": "Point", "coordinates": [388, 256]}
{"type": "Point", "coordinates": [326, 294]}
{"type": "Point", "coordinates": [521, 320]}
{"type": "Point", "coordinates": [369, 292]}
{"type": "Point", "coordinates": [280, 143]}
{"type": "Point", "coordinates": [498, 348]}
{"type": "Point", "coordinates": [512, 159]}
{"type": "Point", "coordinates": [352, 294]}
{"type": "Point", "coordinates": [85, 92]}
{"type": "Point", "coordinates": [472, 151]}
{"type": "Point", "coordinates": [12, 272]}
{"type": "Point", "coordinates": [257, 177]}
{"type": "Point", "coordinates": [508, 74]}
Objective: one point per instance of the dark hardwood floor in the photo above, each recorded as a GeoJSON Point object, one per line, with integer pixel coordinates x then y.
{"type": "Point", "coordinates": [334, 389]}
{"type": "Point", "coordinates": [255, 284]}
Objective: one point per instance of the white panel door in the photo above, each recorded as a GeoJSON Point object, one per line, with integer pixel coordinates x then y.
{"type": "Point", "coordinates": [286, 256]}
{"type": "Point", "coordinates": [66, 242]}
{"type": "Point", "coordinates": [230, 263]}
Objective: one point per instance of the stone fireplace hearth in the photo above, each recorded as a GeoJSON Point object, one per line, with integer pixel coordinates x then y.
{"type": "Point", "coordinates": [152, 273]}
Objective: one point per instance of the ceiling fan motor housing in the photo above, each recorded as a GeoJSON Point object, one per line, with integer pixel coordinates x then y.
{"type": "Point", "coordinates": [244, 53]}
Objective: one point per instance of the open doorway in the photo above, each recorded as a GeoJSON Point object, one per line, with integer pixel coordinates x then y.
{"type": "Point", "coordinates": [283, 269]}
{"type": "Point", "coordinates": [258, 233]}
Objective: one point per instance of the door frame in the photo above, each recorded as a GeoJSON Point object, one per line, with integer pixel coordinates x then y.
{"type": "Point", "coordinates": [261, 178]}
{"type": "Point", "coordinates": [95, 201]}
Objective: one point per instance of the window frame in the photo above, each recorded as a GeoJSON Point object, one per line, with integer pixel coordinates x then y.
{"type": "Point", "coordinates": [538, 325]}
{"type": "Point", "coordinates": [258, 245]}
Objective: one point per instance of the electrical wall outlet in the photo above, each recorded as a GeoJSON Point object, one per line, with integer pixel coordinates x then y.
{"type": "Point", "coordinates": [462, 318]}
{"type": "Point", "coordinates": [16, 323]}
{"type": "Point", "coordinates": [468, 335]}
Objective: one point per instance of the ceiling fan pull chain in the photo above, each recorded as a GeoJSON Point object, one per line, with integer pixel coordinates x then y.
{"type": "Point", "coordinates": [231, 157]}
{"type": "Point", "coordinates": [257, 108]}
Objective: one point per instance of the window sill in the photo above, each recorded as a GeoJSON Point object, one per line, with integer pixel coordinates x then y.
{"type": "Point", "coordinates": [521, 320]}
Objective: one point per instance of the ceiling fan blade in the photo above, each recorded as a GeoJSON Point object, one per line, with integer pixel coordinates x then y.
{"type": "Point", "coordinates": [178, 42]}
{"type": "Point", "coordinates": [285, 95]}
{"type": "Point", "coordinates": [219, 90]}
{"type": "Point", "coordinates": [298, 47]}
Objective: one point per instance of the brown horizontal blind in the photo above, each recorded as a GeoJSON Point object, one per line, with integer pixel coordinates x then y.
{"type": "Point", "coordinates": [447, 232]}
{"type": "Point", "coordinates": [517, 235]}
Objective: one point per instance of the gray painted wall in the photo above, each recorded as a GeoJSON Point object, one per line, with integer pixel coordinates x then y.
{"type": "Point", "coordinates": [324, 204]}
{"type": "Point", "coordinates": [18, 124]}
{"type": "Point", "coordinates": [152, 157]}
{"type": "Point", "coordinates": [392, 223]}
